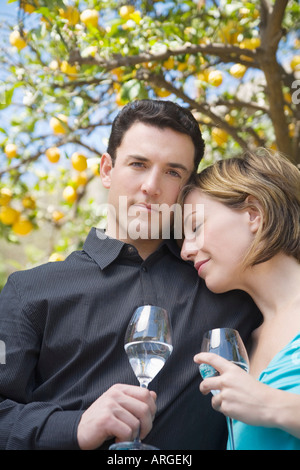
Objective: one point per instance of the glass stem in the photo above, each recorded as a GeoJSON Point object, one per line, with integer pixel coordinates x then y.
{"type": "Point", "coordinates": [230, 433]}
{"type": "Point", "coordinates": [138, 439]}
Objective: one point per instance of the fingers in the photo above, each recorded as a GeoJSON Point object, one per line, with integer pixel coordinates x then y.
{"type": "Point", "coordinates": [120, 412]}
{"type": "Point", "coordinates": [140, 405]}
{"type": "Point", "coordinates": [214, 360]}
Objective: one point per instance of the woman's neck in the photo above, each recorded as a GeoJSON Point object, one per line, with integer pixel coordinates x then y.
{"type": "Point", "coordinates": [274, 285]}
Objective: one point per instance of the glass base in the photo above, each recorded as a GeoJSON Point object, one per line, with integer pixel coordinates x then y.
{"type": "Point", "coordinates": [131, 445]}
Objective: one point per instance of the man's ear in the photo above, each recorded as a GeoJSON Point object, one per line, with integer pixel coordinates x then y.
{"type": "Point", "coordinates": [254, 211]}
{"type": "Point", "coordinates": [106, 167]}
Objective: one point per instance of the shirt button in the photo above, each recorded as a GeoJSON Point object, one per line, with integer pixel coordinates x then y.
{"type": "Point", "coordinates": [144, 269]}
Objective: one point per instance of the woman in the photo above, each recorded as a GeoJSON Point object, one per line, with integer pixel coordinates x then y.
{"type": "Point", "coordinates": [249, 239]}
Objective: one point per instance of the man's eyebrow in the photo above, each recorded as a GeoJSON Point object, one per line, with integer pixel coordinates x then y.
{"type": "Point", "coordinates": [174, 165]}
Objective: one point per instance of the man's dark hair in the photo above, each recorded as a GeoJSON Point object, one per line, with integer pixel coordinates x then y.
{"type": "Point", "coordinates": [161, 114]}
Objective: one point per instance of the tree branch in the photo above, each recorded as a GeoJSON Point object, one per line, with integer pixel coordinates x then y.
{"type": "Point", "coordinates": [204, 108]}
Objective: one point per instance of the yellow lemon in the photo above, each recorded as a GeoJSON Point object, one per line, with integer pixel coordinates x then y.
{"type": "Point", "coordinates": [8, 215]}
{"type": "Point", "coordinates": [125, 11]}
{"type": "Point", "coordinates": [69, 70]}
{"type": "Point", "coordinates": [295, 62]}
{"type": "Point", "coordinates": [27, 7]}
{"type": "Point", "coordinates": [57, 215]}
{"type": "Point", "coordinates": [79, 162]}
{"type": "Point", "coordinates": [22, 226]}
{"type": "Point", "coordinates": [5, 196]}
{"type": "Point", "coordinates": [29, 202]}
{"type": "Point", "coordinates": [81, 179]}
{"type": "Point", "coordinates": [219, 136]}
{"type": "Point", "coordinates": [59, 124]}
{"type": "Point", "coordinates": [169, 64]}
{"type": "Point", "coordinates": [53, 154]}
{"type": "Point", "coordinates": [90, 17]}
{"type": "Point", "coordinates": [215, 78]}
{"type": "Point", "coordinates": [71, 14]}
{"type": "Point", "coordinates": [17, 40]}
{"type": "Point", "coordinates": [250, 43]}
{"type": "Point", "coordinates": [56, 257]}
{"type": "Point", "coordinates": [11, 150]}
{"type": "Point", "coordinates": [162, 92]}
{"type": "Point", "coordinates": [95, 169]}
{"type": "Point", "coordinates": [69, 194]}
{"type": "Point", "coordinates": [238, 70]}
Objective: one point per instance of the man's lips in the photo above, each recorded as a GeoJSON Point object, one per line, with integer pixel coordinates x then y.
{"type": "Point", "coordinates": [200, 264]}
{"type": "Point", "coordinates": [146, 207]}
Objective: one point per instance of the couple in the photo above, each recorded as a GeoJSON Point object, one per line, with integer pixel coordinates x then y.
{"type": "Point", "coordinates": [67, 383]}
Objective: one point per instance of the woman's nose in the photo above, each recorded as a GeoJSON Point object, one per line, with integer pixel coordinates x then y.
{"type": "Point", "coordinates": [189, 250]}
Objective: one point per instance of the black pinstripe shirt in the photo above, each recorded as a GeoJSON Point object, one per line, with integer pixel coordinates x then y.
{"type": "Point", "coordinates": [63, 326]}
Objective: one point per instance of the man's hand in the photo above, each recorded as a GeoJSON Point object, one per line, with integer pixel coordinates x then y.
{"type": "Point", "coordinates": [120, 412]}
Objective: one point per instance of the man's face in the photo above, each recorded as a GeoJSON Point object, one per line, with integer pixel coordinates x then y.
{"type": "Point", "coordinates": [151, 167]}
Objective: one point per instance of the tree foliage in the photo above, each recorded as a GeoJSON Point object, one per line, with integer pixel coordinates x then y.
{"type": "Point", "coordinates": [68, 67]}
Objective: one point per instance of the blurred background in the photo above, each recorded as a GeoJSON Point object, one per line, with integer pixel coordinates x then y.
{"type": "Point", "coordinates": [68, 67]}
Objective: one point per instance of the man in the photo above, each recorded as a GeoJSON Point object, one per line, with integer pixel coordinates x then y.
{"type": "Point", "coordinates": [67, 382]}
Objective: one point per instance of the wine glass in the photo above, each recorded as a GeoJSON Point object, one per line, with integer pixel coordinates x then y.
{"type": "Point", "coordinates": [227, 343]}
{"type": "Point", "coordinates": [148, 345]}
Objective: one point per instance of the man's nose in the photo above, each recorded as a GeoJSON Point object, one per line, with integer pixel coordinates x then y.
{"type": "Point", "coordinates": [152, 183]}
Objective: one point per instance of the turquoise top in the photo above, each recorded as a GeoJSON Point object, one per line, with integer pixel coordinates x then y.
{"type": "Point", "coordinates": [283, 372]}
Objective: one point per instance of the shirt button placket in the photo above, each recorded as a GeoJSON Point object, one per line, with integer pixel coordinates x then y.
{"type": "Point", "coordinates": [149, 293]}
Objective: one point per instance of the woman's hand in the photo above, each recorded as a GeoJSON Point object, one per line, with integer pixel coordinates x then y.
{"type": "Point", "coordinates": [240, 396]}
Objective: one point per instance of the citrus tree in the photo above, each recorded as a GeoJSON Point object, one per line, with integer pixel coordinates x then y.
{"type": "Point", "coordinates": [67, 67]}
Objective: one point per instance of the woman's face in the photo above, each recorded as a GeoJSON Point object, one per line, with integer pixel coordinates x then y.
{"type": "Point", "coordinates": [216, 240]}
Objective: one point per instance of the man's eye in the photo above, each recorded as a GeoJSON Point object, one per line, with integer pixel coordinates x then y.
{"type": "Point", "coordinates": [174, 173]}
{"type": "Point", "coordinates": [137, 164]}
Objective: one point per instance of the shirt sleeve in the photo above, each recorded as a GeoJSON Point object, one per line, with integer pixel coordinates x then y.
{"type": "Point", "coordinates": [25, 424]}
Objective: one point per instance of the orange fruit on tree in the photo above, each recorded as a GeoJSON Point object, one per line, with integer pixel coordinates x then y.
{"type": "Point", "coordinates": [56, 257]}
{"type": "Point", "coordinates": [162, 92]}
{"type": "Point", "coordinates": [57, 215]}
{"type": "Point", "coordinates": [69, 194]}
{"type": "Point", "coordinates": [59, 124]}
{"type": "Point", "coordinates": [71, 14]}
{"type": "Point", "coordinates": [5, 196]}
{"type": "Point", "coordinates": [27, 7]}
{"type": "Point", "coordinates": [250, 43]}
{"type": "Point", "coordinates": [17, 40]}
{"type": "Point", "coordinates": [238, 70]}
{"type": "Point", "coordinates": [10, 150]}
{"type": "Point", "coordinates": [29, 202]}
{"type": "Point", "coordinates": [90, 17]}
{"type": "Point", "coordinates": [295, 62]}
{"type": "Point", "coordinates": [8, 215]}
{"type": "Point", "coordinates": [219, 136]}
{"type": "Point", "coordinates": [79, 161]}
{"type": "Point", "coordinates": [81, 179]}
{"type": "Point", "coordinates": [215, 78]}
{"type": "Point", "coordinates": [69, 70]}
{"type": "Point", "coordinates": [53, 154]}
{"type": "Point", "coordinates": [125, 11]}
{"type": "Point", "coordinates": [22, 226]}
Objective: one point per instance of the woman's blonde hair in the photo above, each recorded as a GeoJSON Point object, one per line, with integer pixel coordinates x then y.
{"type": "Point", "coordinates": [274, 183]}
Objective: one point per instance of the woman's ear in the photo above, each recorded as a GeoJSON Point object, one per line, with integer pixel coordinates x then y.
{"type": "Point", "coordinates": [254, 211]}
{"type": "Point", "coordinates": [106, 167]}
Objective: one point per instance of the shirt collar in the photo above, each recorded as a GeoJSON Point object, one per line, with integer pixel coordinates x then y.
{"type": "Point", "coordinates": [105, 250]}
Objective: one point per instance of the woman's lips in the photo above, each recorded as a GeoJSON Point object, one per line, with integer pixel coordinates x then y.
{"type": "Point", "coordinates": [199, 265]}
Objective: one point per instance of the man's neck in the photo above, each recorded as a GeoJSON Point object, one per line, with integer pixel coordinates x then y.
{"type": "Point", "coordinates": [145, 247]}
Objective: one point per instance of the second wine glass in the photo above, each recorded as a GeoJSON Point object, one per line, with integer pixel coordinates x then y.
{"type": "Point", "coordinates": [227, 343]}
{"type": "Point", "coordinates": [148, 345]}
